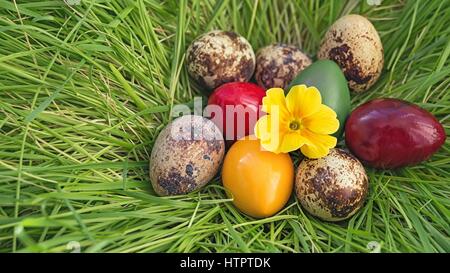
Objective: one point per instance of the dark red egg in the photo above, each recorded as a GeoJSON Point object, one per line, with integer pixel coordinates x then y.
{"type": "Point", "coordinates": [235, 107]}
{"type": "Point", "coordinates": [392, 133]}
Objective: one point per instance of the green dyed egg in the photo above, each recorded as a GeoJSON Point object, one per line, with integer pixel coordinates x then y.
{"type": "Point", "coordinates": [326, 76]}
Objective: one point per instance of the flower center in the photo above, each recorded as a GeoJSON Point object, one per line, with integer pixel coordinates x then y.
{"type": "Point", "coordinates": [294, 125]}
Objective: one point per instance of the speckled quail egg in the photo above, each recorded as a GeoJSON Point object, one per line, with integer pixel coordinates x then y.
{"type": "Point", "coordinates": [332, 188]}
{"type": "Point", "coordinates": [278, 64]}
{"type": "Point", "coordinates": [353, 43]}
{"type": "Point", "coordinates": [186, 155]}
{"type": "Point", "coordinates": [218, 57]}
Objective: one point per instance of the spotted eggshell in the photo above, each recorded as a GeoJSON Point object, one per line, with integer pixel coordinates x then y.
{"type": "Point", "coordinates": [186, 155]}
{"type": "Point", "coordinates": [278, 64]}
{"type": "Point", "coordinates": [332, 188]}
{"type": "Point", "coordinates": [353, 43]}
{"type": "Point", "coordinates": [218, 57]}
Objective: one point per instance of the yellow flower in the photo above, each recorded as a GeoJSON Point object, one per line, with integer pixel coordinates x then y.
{"type": "Point", "coordinates": [297, 121]}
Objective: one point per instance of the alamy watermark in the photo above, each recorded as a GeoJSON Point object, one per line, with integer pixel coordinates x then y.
{"type": "Point", "coordinates": [72, 2]}
{"type": "Point", "coordinates": [374, 247]}
{"type": "Point", "coordinates": [233, 121]}
{"type": "Point", "coordinates": [73, 247]}
{"type": "Point", "coordinates": [373, 2]}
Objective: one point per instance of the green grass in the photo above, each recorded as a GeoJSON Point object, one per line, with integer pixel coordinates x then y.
{"type": "Point", "coordinates": [85, 89]}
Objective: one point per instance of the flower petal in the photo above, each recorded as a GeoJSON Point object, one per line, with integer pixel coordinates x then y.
{"type": "Point", "coordinates": [317, 145]}
{"type": "Point", "coordinates": [323, 121]}
{"type": "Point", "coordinates": [291, 142]}
{"type": "Point", "coordinates": [272, 144]}
{"type": "Point", "coordinates": [268, 129]}
{"type": "Point", "coordinates": [302, 101]}
{"type": "Point", "coordinates": [263, 127]}
{"type": "Point", "coordinates": [274, 98]}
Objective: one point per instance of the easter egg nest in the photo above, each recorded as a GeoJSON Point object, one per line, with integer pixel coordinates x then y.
{"type": "Point", "coordinates": [86, 88]}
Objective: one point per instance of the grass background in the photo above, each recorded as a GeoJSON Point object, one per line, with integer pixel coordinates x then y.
{"type": "Point", "coordinates": [85, 89]}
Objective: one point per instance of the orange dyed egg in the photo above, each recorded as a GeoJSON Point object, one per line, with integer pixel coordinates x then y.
{"type": "Point", "coordinates": [260, 182]}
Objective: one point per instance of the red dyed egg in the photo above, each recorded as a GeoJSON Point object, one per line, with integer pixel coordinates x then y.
{"type": "Point", "coordinates": [392, 133]}
{"type": "Point", "coordinates": [234, 108]}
